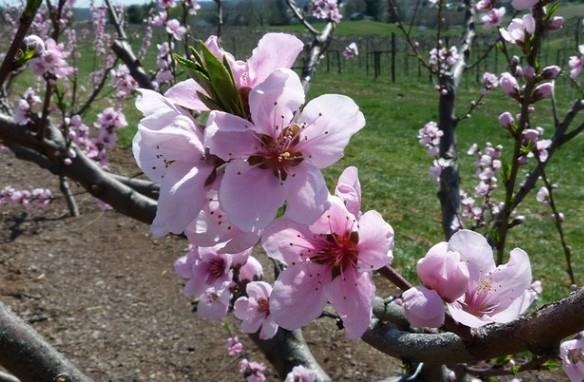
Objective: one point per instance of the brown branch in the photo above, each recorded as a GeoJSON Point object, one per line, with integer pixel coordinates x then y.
{"type": "Point", "coordinates": [316, 50]}
{"type": "Point", "coordinates": [26, 20]}
{"type": "Point", "coordinates": [300, 16]}
{"type": "Point", "coordinates": [69, 198]}
{"type": "Point", "coordinates": [124, 52]}
{"type": "Point", "coordinates": [28, 356]}
{"type": "Point", "coordinates": [536, 333]}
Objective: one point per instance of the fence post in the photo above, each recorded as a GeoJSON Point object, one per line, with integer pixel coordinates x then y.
{"type": "Point", "coordinates": [393, 48]}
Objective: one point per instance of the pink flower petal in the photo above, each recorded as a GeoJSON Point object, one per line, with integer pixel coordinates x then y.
{"type": "Point", "coordinates": [298, 296]}
{"type": "Point", "coordinates": [184, 94]}
{"type": "Point", "coordinates": [287, 241]}
{"type": "Point", "coordinates": [273, 102]}
{"type": "Point", "coordinates": [330, 121]}
{"type": "Point", "coordinates": [349, 190]}
{"type": "Point", "coordinates": [229, 136]}
{"type": "Point", "coordinates": [351, 293]}
{"type": "Point", "coordinates": [269, 329]}
{"type": "Point", "coordinates": [248, 209]}
{"type": "Point", "coordinates": [475, 251]}
{"type": "Point", "coordinates": [423, 307]}
{"type": "Point", "coordinates": [181, 198]}
{"type": "Point", "coordinates": [510, 280]}
{"type": "Point", "coordinates": [274, 51]}
{"type": "Point", "coordinates": [309, 196]}
{"type": "Point", "coordinates": [460, 315]}
{"type": "Point", "coordinates": [375, 242]}
{"type": "Point", "coordinates": [335, 220]}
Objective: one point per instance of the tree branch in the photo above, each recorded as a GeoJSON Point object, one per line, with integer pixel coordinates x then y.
{"type": "Point", "coordinates": [28, 356]}
{"type": "Point", "coordinates": [536, 333]}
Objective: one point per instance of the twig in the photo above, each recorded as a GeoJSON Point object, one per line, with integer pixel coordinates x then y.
{"type": "Point", "coordinates": [69, 198]}
{"type": "Point", "coordinates": [300, 16]}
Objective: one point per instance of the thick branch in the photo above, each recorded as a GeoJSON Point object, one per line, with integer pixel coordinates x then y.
{"type": "Point", "coordinates": [28, 356]}
{"type": "Point", "coordinates": [288, 349]}
{"type": "Point", "coordinates": [317, 48]}
{"type": "Point", "coordinates": [536, 333]}
{"type": "Point", "coordinates": [124, 52]}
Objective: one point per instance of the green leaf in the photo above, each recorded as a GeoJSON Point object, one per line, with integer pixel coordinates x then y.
{"type": "Point", "coordinates": [551, 364]}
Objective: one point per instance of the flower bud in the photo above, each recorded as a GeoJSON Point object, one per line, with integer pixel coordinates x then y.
{"type": "Point", "coordinates": [528, 72]}
{"type": "Point", "coordinates": [509, 84]}
{"type": "Point", "coordinates": [251, 271]}
{"type": "Point", "coordinates": [542, 91]}
{"type": "Point", "coordinates": [506, 120]}
{"type": "Point", "coordinates": [443, 271]}
{"type": "Point", "coordinates": [557, 22]}
{"type": "Point", "coordinates": [423, 307]}
{"type": "Point", "coordinates": [35, 43]}
{"type": "Point", "coordinates": [550, 72]}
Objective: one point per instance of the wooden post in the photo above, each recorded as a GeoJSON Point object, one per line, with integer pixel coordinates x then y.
{"type": "Point", "coordinates": [393, 51]}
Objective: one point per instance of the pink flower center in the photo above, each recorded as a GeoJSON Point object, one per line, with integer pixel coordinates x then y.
{"type": "Point", "coordinates": [339, 252]}
{"type": "Point", "coordinates": [278, 154]}
{"type": "Point", "coordinates": [264, 306]}
{"type": "Point", "coordinates": [216, 268]}
{"type": "Point", "coordinates": [477, 301]}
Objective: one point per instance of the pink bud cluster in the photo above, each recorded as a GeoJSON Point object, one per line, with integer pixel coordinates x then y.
{"type": "Point", "coordinates": [510, 84]}
{"type": "Point", "coordinates": [252, 371]}
{"type": "Point", "coordinates": [175, 29]}
{"type": "Point", "coordinates": [164, 61]}
{"type": "Point", "coordinates": [36, 198]}
{"type": "Point", "coordinates": [79, 133]}
{"type": "Point", "coordinates": [102, 39]}
{"type": "Point", "coordinates": [124, 83]}
{"type": "Point", "coordinates": [234, 347]}
{"type": "Point", "coordinates": [24, 107]}
{"type": "Point", "coordinates": [108, 121]}
{"type": "Point", "coordinates": [51, 61]}
{"type": "Point", "coordinates": [444, 58]}
{"type": "Point", "coordinates": [351, 51]}
{"type": "Point", "coordinates": [489, 81]}
{"type": "Point", "coordinates": [487, 164]}
{"type": "Point", "coordinates": [429, 137]}
{"type": "Point", "coordinates": [326, 10]}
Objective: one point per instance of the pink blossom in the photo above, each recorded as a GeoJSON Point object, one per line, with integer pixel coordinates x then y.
{"type": "Point", "coordinates": [490, 81]}
{"type": "Point", "coordinates": [493, 18]}
{"type": "Point", "coordinates": [542, 148]}
{"type": "Point", "coordinates": [544, 90]}
{"type": "Point", "coordinates": [572, 355]}
{"type": "Point", "coordinates": [509, 84]}
{"type": "Point", "coordinates": [168, 147]}
{"type": "Point", "coordinates": [494, 294]}
{"type": "Point", "coordinates": [167, 3]}
{"type": "Point", "coordinates": [484, 5]}
{"type": "Point", "coordinates": [212, 227]}
{"type": "Point", "coordinates": [506, 119]}
{"type": "Point", "coordinates": [252, 270]}
{"type": "Point", "coordinates": [213, 304]}
{"type": "Point", "coordinates": [423, 307]}
{"type": "Point", "coordinates": [348, 189]}
{"type": "Point", "coordinates": [252, 371]}
{"type": "Point", "coordinates": [443, 271]}
{"type": "Point", "coordinates": [429, 136]}
{"type": "Point", "coordinates": [280, 153]}
{"type": "Point", "coordinates": [519, 29]}
{"type": "Point", "coordinates": [326, 10]}
{"type": "Point", "coordinates": [254, 310]}
{"type": "Point", "coordinates": [234, 347]}
{"type": "Point", "coordinates": [522, 5]}
{"type": "Point", "coordinates": [52, 61]}
{"type": "Point", "coordinates": [331, 260]}
{"type": "Point", "coordinates": [203, 268]}
{"type": "Point", "coordinates": [174, 28]}
{"type": "Point", "coordinates": [159, 19]}
{"type": "Point", "coordinates": [300, 374]}
{"type": "Point", "coordinates": [35, 43]}
{"type": "Point", "coordinates": [576, 63]}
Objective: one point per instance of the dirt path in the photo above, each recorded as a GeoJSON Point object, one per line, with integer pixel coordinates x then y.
{"type": "Point", "coordinates": [104, 293]}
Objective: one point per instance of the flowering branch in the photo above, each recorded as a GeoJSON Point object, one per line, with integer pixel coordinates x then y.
{"type": "Point", "coordinates": [535, 333]}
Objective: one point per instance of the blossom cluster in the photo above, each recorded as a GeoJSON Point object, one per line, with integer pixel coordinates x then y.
{"type": "Point", "coordinates": [254, 175]}
{"type": "Point", "coordinates": [123, 81]}
{"type": "Point", "coordinates": [37, 197]}
{"type": "Point", "coordinates": [326, 10]}
{"type": "Point", "coordinates": [252, 371]}
{"type": "Point", "coordinates": [576, 63]}
{"type": "Point", "coordinates": [462, 274]}
{"type": "Point", "coordinates": [24, 107]}
{"type": "Point", "coordinates": [351, 51]}
{"type": "Point", "coordinates": [50, 60]}
{"type": "Point", "coordinates": [491, 17]}
{"type": "Point", "coordinates": [164, 61]}
{"type": "Point", "coordinates": [444, 58]}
